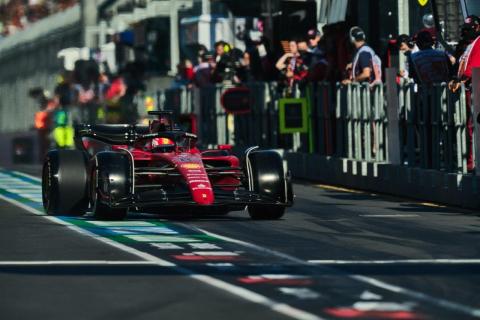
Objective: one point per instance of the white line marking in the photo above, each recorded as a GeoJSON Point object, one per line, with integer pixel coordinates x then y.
{"type": "Point", "coordinates": [204, 246]}
{"type": "Point", "coordinates": [27, 176]}
{"type": "Point", "coordinates": [383, 306]}
{"type": "Point", "coordinates": [405, 261]}
{"type": "Point", "coordinates": [216, 253]}
{"type": "Point", "coordinates": [142, 230]}
{"type": "Point", "coordinates": [471, 311]}
{"type": "Point", "coordinates": [128, 223]}
{"type": "Point", "coordinates": [166, 246]}
{"type": "Point", "coordinates": [389, 215]}
{"type": "Point", "coordinates": [300, 293]}
{"type": "Point", "coordinates": [420, 296]}
{"type": "Point", "coordinates": [74, 262]}
{"type": "Point", "coordinates": [158, 238]}
{"type": "Point", "coordinates": [220, 264]}
{"type": "Point", "coordinates": [282, 308]}
{"type": "Point", "coordinates": [140, 254]}
{"type": "Point", "coordinates": [232, 289]}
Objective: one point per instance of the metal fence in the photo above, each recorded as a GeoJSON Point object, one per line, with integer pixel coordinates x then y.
{"type": "Point", "coordinates": [433, 127]}
{"type": "Point", "coordinates": [346, 121]}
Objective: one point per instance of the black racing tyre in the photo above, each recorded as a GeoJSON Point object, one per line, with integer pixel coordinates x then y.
{"type": "Point", "coordinates": [270, 182]}
{"type": "Point", "coordinates": [65, 183]}
{"type": "Point", "coordinates": [110, 181]}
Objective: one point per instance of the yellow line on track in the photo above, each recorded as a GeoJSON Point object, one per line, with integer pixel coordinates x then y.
{"type": "Point", "coordinates": [342, 189]}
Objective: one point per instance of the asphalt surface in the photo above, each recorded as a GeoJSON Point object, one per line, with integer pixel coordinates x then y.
{"type": "Point", "coordinates": [337, 254]}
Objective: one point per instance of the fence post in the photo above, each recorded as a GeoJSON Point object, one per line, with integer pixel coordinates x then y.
{"type": "Point", "coordinates": [476, 115]}
{"type": "Point", "coordinates": [393, 136]}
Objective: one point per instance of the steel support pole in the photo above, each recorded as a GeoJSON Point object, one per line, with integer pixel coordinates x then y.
{"type": "Point", "coordinates": [174, 38]}
{"type": "Point", "coordinates": [476, 114]}
{"type": "Point", "coordinates": [403, 24]}
{"type": "Point", "coordinates": [393, 135]}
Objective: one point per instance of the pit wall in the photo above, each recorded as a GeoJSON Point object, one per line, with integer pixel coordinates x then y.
{"type": "Point", "coordinates": [415, 183]}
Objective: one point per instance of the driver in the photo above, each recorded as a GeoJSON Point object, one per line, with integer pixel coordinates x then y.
{"type": "Point", "coordinates": [160, 125]}
{"type": "Point", "coordinates": [160, 144]}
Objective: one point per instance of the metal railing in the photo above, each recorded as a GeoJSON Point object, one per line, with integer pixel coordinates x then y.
{"type": "Point", "coordinates": [433, 127]}
{"type": "Point", "coordinates": [346, 121]}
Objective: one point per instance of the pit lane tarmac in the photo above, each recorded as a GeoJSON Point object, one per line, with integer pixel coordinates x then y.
{"type": "Point", "coordinates": [326, 259]}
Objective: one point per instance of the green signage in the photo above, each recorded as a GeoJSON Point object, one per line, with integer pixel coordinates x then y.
{"type": "Point", "coordinates": [293, 115]}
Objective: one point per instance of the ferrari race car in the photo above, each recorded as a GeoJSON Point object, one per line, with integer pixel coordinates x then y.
{"type": "Point", "coordinates": [157, 168]}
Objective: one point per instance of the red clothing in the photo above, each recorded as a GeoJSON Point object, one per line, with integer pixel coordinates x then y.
{"type": "Point", "coordinates": [470, 59]}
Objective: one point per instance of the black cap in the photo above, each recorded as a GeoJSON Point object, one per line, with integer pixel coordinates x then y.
{"type": "Point", "coordinates": [357, 34]}
{"type": "Point", "coordinates": [313, 33]}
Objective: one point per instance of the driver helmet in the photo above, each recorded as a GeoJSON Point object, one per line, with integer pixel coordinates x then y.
{"type": "Point", "coordinates": [162, 145]}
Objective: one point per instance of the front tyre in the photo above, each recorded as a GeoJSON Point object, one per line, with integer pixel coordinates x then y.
{"type": "Point", "coordinates": [268, 179]}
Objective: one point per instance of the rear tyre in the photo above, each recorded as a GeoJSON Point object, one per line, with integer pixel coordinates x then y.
{"type": "Point", "coordinates": [65, 183]}
{"type": "Point", "coordinates": [110, 182]}
{"type": "Point", "coordinates": [270, 182]}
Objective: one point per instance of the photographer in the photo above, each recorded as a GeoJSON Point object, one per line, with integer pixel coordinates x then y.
{"type": "Point", "coordinates": [227, 63]}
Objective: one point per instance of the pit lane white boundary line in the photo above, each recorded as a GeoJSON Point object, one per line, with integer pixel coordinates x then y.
{"type": "Point", "coordinates": [76, 263]}
{"type": "Point", "coordinates": [471, 311]}
{"type": "Point", "coordinates": [246, 294]}
{"type": "Point", "coordinates": [404, 261]}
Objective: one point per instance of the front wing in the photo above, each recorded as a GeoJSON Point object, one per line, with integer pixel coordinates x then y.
{"type": "Point", "coordinates": [160, 198]}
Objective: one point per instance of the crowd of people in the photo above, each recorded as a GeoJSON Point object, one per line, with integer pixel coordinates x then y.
{"type": "Point", "coordinates": [304, 59]}
{"type": "Point", "coordinates": [427, 63]}
{"type": "Point", "coordinates": [16, 15]}
{"type": "Point", "coordinates": [88, 94]}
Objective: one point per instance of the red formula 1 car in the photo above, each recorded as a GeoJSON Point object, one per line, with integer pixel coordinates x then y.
{"type": "Point", "coordinates": [159, 169]}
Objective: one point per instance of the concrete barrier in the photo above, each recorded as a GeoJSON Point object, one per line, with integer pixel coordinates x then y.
{"type": "Point", "coordinates": [421, 184]}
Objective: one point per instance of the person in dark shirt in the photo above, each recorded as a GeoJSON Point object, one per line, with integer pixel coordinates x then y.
{"type": "Point", "coordinates": [430, 65]}
{"type": "Point", "coordinates": [318, 67]}
{"type": "Point", "coordinates": [361, 69]}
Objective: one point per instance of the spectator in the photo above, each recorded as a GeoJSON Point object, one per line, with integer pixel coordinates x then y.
{"type": "Point", "coordinates": [291, 65]}
{"type": "Point", "coordinates": [227, 63]}
{"type": "Point", "coordinates": [289, 58]}
{"type": "Point", "coordinates": [366, 66]}
{"type": "Point", "coordinates": [468, 34]}
{"type": "Point", "coordinates": [203, 71]}
{"type": "Point", "coordinates": [113, 95]}
{"type": "Point", "coordinates": [244, 72]}
{"type": "Point", "coordinates": [470, 59]}
{"type": "Point", "coordinates": [318, 65]}
{"type": "Point", "coordinates": [185, 74]}
{"type": "Point", "coordinates": [407, 47]}
{"type": "Point", "coordinates": [220, 61]}
{"type": "Point", "coordinates": [16, 15]}
{"type": "Point", "coordinates": [430, 65]}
